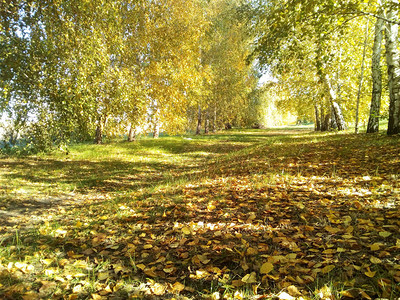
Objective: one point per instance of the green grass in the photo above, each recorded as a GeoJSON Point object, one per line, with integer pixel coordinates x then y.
{"type": "Point", "coordinates": [193, 216]}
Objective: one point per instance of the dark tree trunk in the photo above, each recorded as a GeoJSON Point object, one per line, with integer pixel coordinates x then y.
{"type": "Point", "coordinates": [99, 131]}
{"type": "Point", "coordinates": [215, 120]}
{"type": "Point", "coordinates": [393, 66]}
{"type": "Point", "coordinates": [198, 128]}
{"type": "Point", "coordinates": [207, 125]}
{"type": "Point", "coordinates": [325, 119]}
{"type": "Point", "coordinates": [317, 119]}
{"type": "Point", "coordinates": [333, 125]}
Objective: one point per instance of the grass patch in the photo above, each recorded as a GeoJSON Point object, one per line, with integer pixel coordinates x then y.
{"type": "Point", "coordinates": [240, 214]}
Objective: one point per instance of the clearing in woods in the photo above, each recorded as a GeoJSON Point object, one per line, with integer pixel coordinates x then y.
{"type": "Point", "coordinates": [245, 214]}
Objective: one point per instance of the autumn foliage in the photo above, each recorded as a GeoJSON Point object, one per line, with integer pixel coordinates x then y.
{"type": "Point", "coordinates": [241, 215]}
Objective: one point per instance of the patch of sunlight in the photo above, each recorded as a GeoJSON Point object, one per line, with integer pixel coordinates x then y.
{"type": "Point", "coordinates": [387, 203]}
{"type": "Point", "coordinates": [199, 153]}
{"type": "Point", "coordinates": [355, 192]}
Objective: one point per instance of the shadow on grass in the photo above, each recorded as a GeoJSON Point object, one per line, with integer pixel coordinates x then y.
{"type": "Point", "coordinates": [308, 205]}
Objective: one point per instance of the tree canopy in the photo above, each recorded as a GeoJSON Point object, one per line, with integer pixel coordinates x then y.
{"type": "Point", "coordinates": [77, 70]}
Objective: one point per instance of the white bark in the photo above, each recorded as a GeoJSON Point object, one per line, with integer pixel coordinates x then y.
{"type": "Point", "coordinates": [373, 122]}
{"type": "Point", "coordinates": [337, 111]}
{"type": "Point", "coordinates": [392, 60]}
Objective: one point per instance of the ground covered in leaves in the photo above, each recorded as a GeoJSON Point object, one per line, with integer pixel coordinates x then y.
{"type": "Point", "coordinates": [240, 215]}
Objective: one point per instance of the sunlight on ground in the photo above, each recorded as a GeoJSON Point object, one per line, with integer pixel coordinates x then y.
{"type": "Point", "coordinates": [279, 216]}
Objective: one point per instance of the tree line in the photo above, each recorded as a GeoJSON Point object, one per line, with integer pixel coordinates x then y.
{"type": "Point", "coordinates": [327, 58]}
{"type": "Point", "coordinates": [74, 70]}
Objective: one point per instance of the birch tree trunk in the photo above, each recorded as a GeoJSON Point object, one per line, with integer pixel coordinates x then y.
{"type": "Point", "coordinates": [337, 111]}
{"type": "Point", "coordinates": [132, 134]}
{"type": "Point", "coordinates": [392, 60]}
{"type": "Point", "coordinates": [99, 130]}
{"type": "Point", "coordinates": [373, 121]}
{"type": "Point", "coordinates": [207, 123]}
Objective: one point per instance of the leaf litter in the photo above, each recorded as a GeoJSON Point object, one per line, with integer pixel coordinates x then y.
{"type": "Point", "coordinates": [270, 223]}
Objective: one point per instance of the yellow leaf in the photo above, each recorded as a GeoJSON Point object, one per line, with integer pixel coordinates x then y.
{"type": "Point", "coordinates": [375, 260]}
{"type": "Point", "coordinates": [211, 206]}
{"type": "Point", "coordinates": [46, 261]}
{"type": "Point", "coordinates": [237, 283]}
{"type": "Point", "coordinates": [149, 272]}
{"type": "Point", "coordinates": [148, 246]}
{"type": "Point", "coordinates": [347, 294]}
{"type": "Point", "coordinates": [293, 291]}
{"type": "Point", "coordinates": [169, 270]}
{"type": "Point", "coordinates": [251, 251]}
{"type": "Point", "coordinates": [186, 230]}
{"type": "Point", "coordinates": [78, 224]}
{"type": "Point", "coordinates": [327, 269]}
{"type": "Point", "coordinates": [158, 289]}
{"type": "Point", "coordinates": [266, 268]}
{"type": "Point", "coordinates": [365, 295]}
{"type": "Point", "coordinates": [375, 247]}
{"type": "Point", "coordinates": [331, 229]}
{"type": "Point", "coordinates": [141, 266]}
{"type": "Point", "coordinates": [31, 295]}
{"type": "Point", "coordinates": [252, 216]}
{"type": "Point", "coordinates": [369, 273]}
{"type": "Point", "coordinates": [177, 287]}
{"type": "Point", "coordinates": [385, 234]}
{"type": "Point", "coordinates": [250, 278]}
{"type": "Point", "coordinates": [103, 276]}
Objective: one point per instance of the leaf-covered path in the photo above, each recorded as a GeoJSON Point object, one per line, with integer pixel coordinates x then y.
{"type": "Point", "coordinates": [254, 214]}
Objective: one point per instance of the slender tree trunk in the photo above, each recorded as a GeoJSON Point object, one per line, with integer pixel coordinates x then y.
{"type": "Point", "coordinates": [392, 60]}
{"type": "Point", "coordinates": [132, 134]}
{"type": "Point", "coordinates": [361, 78]}
{"type": "Point", "coordinates": [207, 123]}
{"type": "Point", "coordinates": [198, 128]}
{"type": "Point", "coordinates": [156, 128]}
{"type": "Point", "coordinates": [317, 119]}
{"type": "Point", "coordinates": [215, 119]}
{"type": "Point", "coordinates": [326, 122]}
{"type": "Point", "coordinates": [373, 121]}
{"type": "Point", "coordinates": [337, 111]}
{"type": "Point", "coordinates": [155, 119]}
{"type": "Point", "coordinates": [99, 130]}
{"type": "Point", "coordinates": [99, 134]}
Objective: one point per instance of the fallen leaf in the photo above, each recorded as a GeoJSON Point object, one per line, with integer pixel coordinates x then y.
{"type": "Point", "coordinates": [186, 230]}
{"type": "Point", "coordinates": [250, 278]}
{"type": "Point", "coordinates": [293, 291]}
{"type": "Point", "coordinates": [266, 268]}
{"type": "Point", "coordinates": [103, 275]}
{"type": "Point", "coordinates": [375, 260]}
{"type": "Point", "coordinates": [385, 234]}
{"type": "Point", "coordinates": [327, 269]}
{"type": "Point", "coordinates": [158, 289]}
{"type": "Point", "coordinates": [177, 287]}
{"type": "Point", "coordinates": [370, 273]}
{"type": "Point", "coordinates": [375, 247]}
